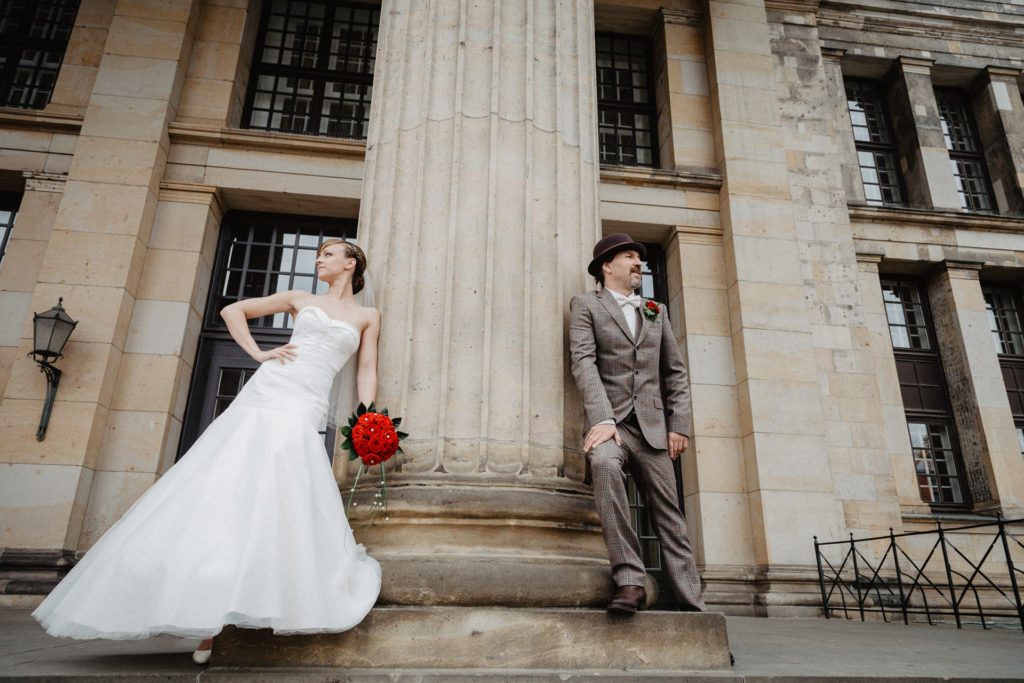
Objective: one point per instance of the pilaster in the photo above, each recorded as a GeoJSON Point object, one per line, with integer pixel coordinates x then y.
{"type": "Point", "coordinates": [714, 471]}
{"type": "Point", "coordinates": [999, 112]}
{"type": "Point", "coordinates": [140, 438]}
{"type": "Point", "coordinates": [988, 440]}
{"type": "Point", "coordinates": [788, 480]}
{"type": "Point", "coordinates": [831, 61]}
{"type": "Point", "coordinates": [895, 437]}
{"type": "Point", "coordinates": [94, 259]}
{"type": "Point", "coordinates": [684, 110]}
{"type": "Point", "coordinates": [920, 142]}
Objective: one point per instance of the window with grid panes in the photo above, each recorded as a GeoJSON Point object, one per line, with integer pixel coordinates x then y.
{"type": "Point", "coordinates": [269, 253]}
{"type": "Point", "coordinates": [925, 398]}
{"type": "Point", "coordinates": [876, 148]}
{"type": "Point", "coordinates": [627, 131]}
{"type": "Point", "coordinates": [1005, 317]}
{"type": "Point", "coordinates": [9, 202]}
{"type": "Point", "coordinates": [965, 151]}
{"type": "Point", "coordinates": [313, 68]}
{"type": "Point", "coordinates": [33, 37]}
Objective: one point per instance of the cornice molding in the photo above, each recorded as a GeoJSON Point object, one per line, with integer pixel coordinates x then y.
{"type": "Point", "coordinates": [832, 53]}
{"type": "Point", "coordinates": [972, 28]}
{"type": "Point", "coordinates": [915, 65]}
{"type": "Point", "coordinates": [193, 193]}
{"type": "Point", "coordinates": [686, 17]}
{"type": "Point", "coordinates": [692, 234]}
{"type": "Point", "coordinates": [213, 136]}
{"type": "Point", "coordinates": [37, 181]}
{"type": "Point", "coordinates": [869, 258]}
{"type": "Point", "coordinates": [1002, 72]}
{"type": "Point", "coordinates": [962, 270]}
{"type": "Point", "coordinates": [936, 219]}
{"type": "Point", "coordinates": [40, 120]}
{"type": "Point", "coordinates": [793, 5]}
{"type": "Point", "coordinates": [650, 177]}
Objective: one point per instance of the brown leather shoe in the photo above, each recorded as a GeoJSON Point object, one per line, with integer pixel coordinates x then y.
{"type": "Point", "coordinates": [627, 600]}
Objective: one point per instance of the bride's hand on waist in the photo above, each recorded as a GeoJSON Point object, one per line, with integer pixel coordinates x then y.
{"type": "Point", "coordinates": [282, 353]}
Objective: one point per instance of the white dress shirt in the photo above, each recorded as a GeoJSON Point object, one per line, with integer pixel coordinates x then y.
{"type": "Point", "coordinates": [630, 305]}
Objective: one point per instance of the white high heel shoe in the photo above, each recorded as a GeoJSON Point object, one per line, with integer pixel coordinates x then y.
{"type": "Point", "coordinates": [201, 656]}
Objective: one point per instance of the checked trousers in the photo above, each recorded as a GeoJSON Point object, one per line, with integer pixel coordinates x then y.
{"type": "Point", "coordinates": [654, 475]}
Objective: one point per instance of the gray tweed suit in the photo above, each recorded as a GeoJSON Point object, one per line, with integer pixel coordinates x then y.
{"type": "Point", "coordinates": [641, 382]}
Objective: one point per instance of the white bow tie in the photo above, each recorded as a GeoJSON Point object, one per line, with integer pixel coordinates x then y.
{"type": "Point", "coordinates": [632, 300]}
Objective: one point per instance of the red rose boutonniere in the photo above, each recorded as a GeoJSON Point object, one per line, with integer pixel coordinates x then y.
{"type": "Point", "coordinates": [373, 437]}
{"type": "Point", "coordinates": [651, 310]}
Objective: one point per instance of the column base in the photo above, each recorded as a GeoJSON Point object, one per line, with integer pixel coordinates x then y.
{"type": "Point", "coordinates": [450, 543]}
{"type": "Point", "coordinates": [492, 638]}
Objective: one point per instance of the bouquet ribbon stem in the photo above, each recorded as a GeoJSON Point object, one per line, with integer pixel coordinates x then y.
{"type": "Point", "coordinates": [352, 492]}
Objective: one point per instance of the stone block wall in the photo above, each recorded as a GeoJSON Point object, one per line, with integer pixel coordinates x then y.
{"type": "Point", "coordinates": [810, 101]}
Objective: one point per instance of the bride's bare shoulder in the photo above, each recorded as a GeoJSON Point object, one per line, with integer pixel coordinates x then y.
{"type": "Point", "coordinates": [370, 315]}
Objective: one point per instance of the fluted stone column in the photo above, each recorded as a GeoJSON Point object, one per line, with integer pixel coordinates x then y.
{"type": "Point", "coordinates": [478, 212]}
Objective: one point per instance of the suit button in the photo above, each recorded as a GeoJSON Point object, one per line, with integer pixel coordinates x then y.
{"type": "Point", "coordinates": [636, 372]}
{"type": "Point", "coordinates": [634, 398]}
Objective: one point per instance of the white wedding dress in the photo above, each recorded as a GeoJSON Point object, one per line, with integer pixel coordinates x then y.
{"type": "Point", "coordinates": [248, 528]}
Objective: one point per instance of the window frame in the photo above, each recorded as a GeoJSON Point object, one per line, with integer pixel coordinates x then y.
{"type": "Point", "coordinates": [1011, 365]}
{"type": "Point", "coordinates": [936, 414]}
{"type": "Point", "coordinates": [889, 148]}
{"type": "Point", "coordinates": [17, 42]}
{"type": "Point", "coordinates": [650, 109]}
{"type": "Point", "coordinates": [958, 157]}
{"type": "Point", "coordinates": [319, 76]}
{"type": "Point", "coordinates": [10, 202]}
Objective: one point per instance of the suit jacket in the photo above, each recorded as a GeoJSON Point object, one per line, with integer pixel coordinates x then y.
{"type": "Point", "coordinates": [617, 374]}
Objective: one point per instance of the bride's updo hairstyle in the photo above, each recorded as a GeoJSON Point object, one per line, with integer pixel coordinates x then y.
{"type": "Point", "coordinates": [351, 251]}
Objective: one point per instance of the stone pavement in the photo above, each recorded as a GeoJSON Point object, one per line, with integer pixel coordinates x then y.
{"type": "Point", "coordinates": [773, 649]}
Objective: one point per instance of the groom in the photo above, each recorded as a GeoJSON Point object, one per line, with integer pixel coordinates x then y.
{"type": "Point", "coordinates": [636, 397]}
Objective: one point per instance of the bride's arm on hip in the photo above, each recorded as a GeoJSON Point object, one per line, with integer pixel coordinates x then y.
{"type": "Point", "coordinates": [366, 374]}
{"type": "Point", "coordinates": [235, 315]}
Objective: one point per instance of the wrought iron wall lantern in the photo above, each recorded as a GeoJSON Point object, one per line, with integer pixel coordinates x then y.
{"type": "Point", "coordinates": [50, 333]}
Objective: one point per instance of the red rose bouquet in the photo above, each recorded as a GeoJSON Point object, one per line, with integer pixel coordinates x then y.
{"type": "Point", "coordinates": [373, 437]}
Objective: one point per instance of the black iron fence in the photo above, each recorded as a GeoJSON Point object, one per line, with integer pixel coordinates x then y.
{"type": "Point", "coordinates": [963, 573]}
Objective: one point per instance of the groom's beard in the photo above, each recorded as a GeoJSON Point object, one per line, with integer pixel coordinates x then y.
{"type": "Point", "coordinates": [635, 280]}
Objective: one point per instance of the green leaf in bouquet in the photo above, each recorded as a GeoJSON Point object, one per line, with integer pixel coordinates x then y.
{"type": "Point", "coordinates": [401, 435]}
{"type": "Point", "coordinates": [396, 421]}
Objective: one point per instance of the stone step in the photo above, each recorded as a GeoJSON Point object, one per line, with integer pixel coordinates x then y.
{"type": "Point", "coordinates": [489, 638]}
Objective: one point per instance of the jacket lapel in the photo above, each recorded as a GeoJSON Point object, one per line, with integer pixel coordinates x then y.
{"type": "Point", "coordinates": [645, 326]}
{"type": "Point", "coordinates": [608, 301]}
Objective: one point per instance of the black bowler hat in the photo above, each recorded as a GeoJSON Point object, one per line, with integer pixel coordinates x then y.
{"type": "Point", "coordinates": [611, 245]}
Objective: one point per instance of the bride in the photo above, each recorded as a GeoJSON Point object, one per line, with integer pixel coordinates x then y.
{"type": "Point", "coordinates": [248, 528]}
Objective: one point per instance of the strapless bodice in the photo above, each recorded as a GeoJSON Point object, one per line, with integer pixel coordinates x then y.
{"type": "Point", "coordinates": [322, 346]}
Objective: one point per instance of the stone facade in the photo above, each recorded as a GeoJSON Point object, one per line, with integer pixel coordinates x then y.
{"type": "Point", "coordinates": [479, 194]}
